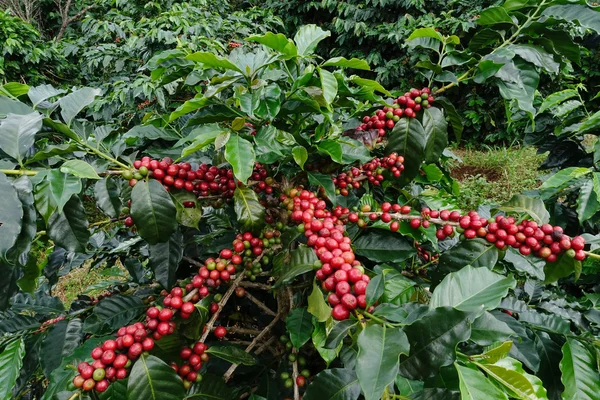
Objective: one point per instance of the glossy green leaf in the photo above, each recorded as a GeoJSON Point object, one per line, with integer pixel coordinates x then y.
{"type": "Point", "coordinates": [536, 55]}
{"type": "Point", "coordinates": [73, 103]}
{"type": "Point", "coordinates": [12, 213]}
{"type": "Point", "coordinates": [117, 311]}
{"type": "Point", "coordinates": [339, 332]}
{"type": "Point", "coordinates": [212, 387]}
{"type": "Point", "coordinates": [476, 252]}
{"type": "Point", "coordinates": [470, 288]}
{"type": "Point", "coordinates": [487, 330]}
{"type": "Point", "coordinates": [249, 211]}
{"type": "Point", "coordinates": [69, 228]}
{"type": "Point", "coordinates": [308, 37]}
{"type": "Point", "coordinates": [591, 123]}
{"type": "Point", "coordinates": [62, 339]}
{"type": "Point", "coordinates": [561, 268]}
{"type": "Point", "coordinates": [587, 201]}
{"type": "Point", "coordinates": [334, 384]}
{"type": "Point", "coordinates": [519, 83]}
{"type": "Point", "coordinates": [210, 60]}
{"type": "Point", "coordinates": [375, 289]}
{"type": "Point", "coordinates": [494, 15]}
{"type": "Point", "coordinates": [383, 246]}
{"type": "Point", "coordinates": [433, 340]}
{"type": "Point", "coordinates": [454, 117]}
{"type": "Point", "coordinates": [299, 325]}
{"type": "Point", "coordinates": [369, 86]}
{"type": "Point", "coordinates": [165, 258]}
{"type": "Point", "coordinates": [509, 373]}
{"type": "Point", "coordinates": [579, 372]}
{"type": "Point", "coordinates": [15, 88]}
{"type": "Point", "coordinates": [51, 151]}
{"type": "Point", "coordinates": [190, 106]}
{"type": "Point", "coordinates": [17, 134]}
{"type": "Point", "coordinates": [106, 193]}
{"type": "Point", "coordinates": [20, 251]}
{"type": "Point", "coordinates": [408, 138]}
{"type": "Point", "coordinates": [300, 155]}
{"type": "Point", "coordinates": [345, 63]}
{"type": "Point", "coordinates": [494, 354]}
{"type": "Point", "coordinates": [230, 353]}
{"type": "Point", "coordinates": [377, 362]}
{"type": "Point", "coordinates": [153, 211]}
{"type": "Point", "coordinates": [240, 154]}
{"type": "Point", "coordinates": [187, 216]}
{"type": "Point", "coordinates": [319, 337]}
{"type": "Point", "coordinates": [80, 169]}
{"type": "Point", "coordinates": [278, 42]}
{"type": "Point", "coordinates": [535, 208]}
{"type": "Point", "coordinates": [300, 262]}
{"type": "Point", "coordinates": [52, 193]}
{"type": "Point", "coordinates": [556, 98]}
{"type": "Point", "coordinates": [11, 361]}
{"type": "Point", "coordinates": [436, 134]}
{"type": "Point", "coordinates": [317, 305]}
{"type": "Point", "coordinates": [324, 181]}
{"type": "Point", "coordinates": [475, 386]}
{"type": "Point", "coordinates": [577, 13]}
{"type": "Point", "coordinates": [153, 379]}
{"type": "Point", "coordinates": [529, 265]}
{"type": "Point", "coordinates": [329, 85]}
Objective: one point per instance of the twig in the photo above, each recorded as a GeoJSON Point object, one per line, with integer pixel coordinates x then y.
{"type": "Point", "coordinates": [295, 375]}
{"type": "Point", "coordinates": [243, 331]}
{"type": "Point", "coordinates": [266, 345]}
{"type": "Point", "coordinates": [400, 217]}
{"type": "Point", "coordinates": [221, 304]}
{"type": "Point", "coordinates": [260, 304]}
{"type": "Point", "coordinates": [191, 294]}
{"type": "Point", "coordinates": [254, 285]}
{"type": "Point", "coordinates": [193, 262]}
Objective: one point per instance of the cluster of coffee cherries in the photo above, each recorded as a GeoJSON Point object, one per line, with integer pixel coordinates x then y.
{"type": "Point", "coordinates": [263, 182]}
{"type": "Point", "coordinates": [404, 106]}
{"type": "Point", "coordinates": [544, 241]}
{"type": "Point", "coordinates": [113, 359]}
{"type": "Point", "coordinates": [372, 171]}
{"type": "Point", "coordinates": [286, 375]}
{"type": "Point", "coordinates": [175, 300]}
{"type": "Point", "coordinates": [341, 274]}
{"type": "Point", "coordinates": [193, 358]}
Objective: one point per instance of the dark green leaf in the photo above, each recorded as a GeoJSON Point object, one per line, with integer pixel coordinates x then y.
{"type": "Point", "coordinates": [453, 116]}
{"type": "Point", "coordinates": [153, 211]}
{"type": "Point", "coordinates": [577, 13]}
{"type": "Point", "coordinates": [338, 333]}
{"type": "Point", "coordinates": [51, 151]}
{"type": "Point", "coordinates": [579, 372]}
{"type": "Point", "coordinates": [408, 138]}
{"type": "Point", "coordinates": [164, 259]}
{"type": "Point", "coordinates": [530, 265]}
{"type": "Point", "coordinates": [433, 340]}
{"type": "Point", "coordinates": [436, 134]}
{"type": "Point", "coordinates": [300, 326]}
{"type": "Point", "coordinates": [334, 384]}
{"type": "Point", "coordinates": [377, 362]}
{"type": "Point", "coordinates": [487, 330]}
{"type": "Point", "coordinates": [232, 354]}
{"type": "Point", "coordinates": [240, 154]}
{"type": "Point", "coordinates": [53, 191]}
{"type": "Point", "coordinates": [20, 251]}
{"type": "Point", "coordinates": [11, 210]}
{"type": "Point", "coordinates": [476, 252]}
{"type": "Point", "coordinates": [211, 387]}
{"type": "Point", "coordinates": [248, 209]}
{"type": "Point", "coordinates": [494, 15]}
{"type": "Point", "coordinates": [383, 246]}
{"type": "Point", "coordinates": [375, 289]}
{"type": "Point", "coordinates": [324, 181]}
{"type": "Point", "coordinates": [587, 201]}
{"type": "Point", "coordinates": [117, 311]}
{"type": "Point", "coordinates": [536, 55]}
{"type": "Point", "coordinates": [106, 192]}
{"type": "Point", "coordinates": [562, 268]}
{"type": "Point", "coordinates": [62, 339]}
{"type": "Point", "coordinates": [69, 228]}
{"type": "Point", "coordinates": [153, 379]}
{"type": "Point", "coordinates": [11, 360]}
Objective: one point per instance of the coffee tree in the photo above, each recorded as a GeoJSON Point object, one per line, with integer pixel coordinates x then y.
{"type": "Point", "coordinates": [287, 231]}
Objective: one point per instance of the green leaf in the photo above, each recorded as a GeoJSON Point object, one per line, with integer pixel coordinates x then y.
{"type": "Point", "coordinates": [587, 201]}
{"type": "Point", "coordinates": [187, 216]}
{"type": "Point", "coordinates": [17, 134]}
{"type": "Point", "coordinates": [302, 261]}
{"type": "Point", "coordinates": [153, 379]}
{"type": "Point", "coordinates": [211, 387]}
{"type": "Point", "coordinates": [10, 106]}
{"type": "Point", "coordinates": [117, 311]}
{"type": "Point", "coordinates": [408, 138]}
{"type": "Point", "coordinates": [398, 289]}
{"type": "Point", "coordinates": [470, 288]}
{"type": "Point", "coordinates": [433, 340]}
{"type": "Point", "coordinates": [210, 60]}
{"type": "Point", "coordinates": [375, 289]}
{"type": "Point", "coordinates": [523, 204]}
{"type": "Point", "coordinates": [510, 374]}
{"type": "Point", "coordinates": [149, 132]}
{"type": "Point", "coordinates": [51, 151]}
{"type": "Point", "coordinates": [270, 102]}
{"type": "Point", "coordinates": [425, 32]}
{"type": "Point", "coordinates": [475, 386]}
{"type": "Point", "coordinates": [579, 372]}
{"type": "Point", "coordinates": [11, 361]}
{"type": "Point", "coordinates": [73, 103]}
{"type": "Point", "coordinates": [494, 354]}
{"type": "Point", "coordinates": [343, 62]}
{"type": "Point", "coordinates": [300, 155]}
{"type": "Point", "coordinates": [40, 93]}
{"type": "Point", "coordinates": [190, 106]}
{"type": "Point", "coordinates": [308, 37]}
{"type": "Point", "coordinates": [329, 85]}
{"type": "Point", "coordinates": [407, 387]}
{"type": "Point", "coordinates": [334, 384]}
{"type": "Point", "coordinates": [562, 179]}
{"type": "Point", "coordinates": [324, 181]}
{"type": "Point", "coordinates": [278, 42]}
{"type": "Point", "coordinates": [31, 272]}
{"type": "Point", "coordinates": [69, 227]}
{"type": "Point", "coordinates": [369, 86]}
{"type": "Point", "coordinates": [436, 134]}
{"type": "Point", "coordinates": [590, 124]}
{"type": "Point", "coordinates": [556, 98]}
{"type": "Point", "coordinates": [487, 330]}
{"type": "Point", "coordinates": [338, 333]}
{"type": "Point", "coordinates": [383, 246]}
{"type": "Point", "coordinates": [333, 148]}
{"type": "Point", "coordinates": [317, 305]}
{"type": "Point", "coordinates": [377, 362]}
{"type": "Point", "coordinates": [164, 259]}
{"type": "Point", "coordinates": [249, 211]}
{"type": "Point", "coordinates": [52, 193]}
{"type": "Point", "coordinates": [80, 169]}
{"type": "Point", "coordinates": [240, 154]}
{"type": "Point", "coordinates": [536, 55]}
{"type": "Point", "coordinates": [153, 211]}
{"type": "Point", "coordinates": [231, 353]}
{"type": "Point", "coordinates": [15, 88]}
{"type": "Point", "coordinates": [494, 15]}
{"type": "Point", "coordinates": [62, 339]}
{"type": "Point", "coordinates": [20, 251]}
{"type": "Point", "coordinates": [577, 13]}
{"type": "Point", "coordinates": [11, 210]}
{"type": "Point", "coordinates": [531, 265]}
{"type": "Point", "coordinates": [475, 252]}
{"type": "Point", "coordinates": [299, 325]}
{"type": "Point", "coordinates": [520, 84]}
{"type": "Point", "coordinates": [453, 116]}
{"type": "Point", "coordinates": [106, 193]}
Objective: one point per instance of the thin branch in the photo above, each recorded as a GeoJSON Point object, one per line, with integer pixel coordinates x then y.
{"type": "Point", "coordinates": [193, 262]}
{"type": "Point", "coordinates": [243, 331]}
{"type": "Point", "coordinates": [81, 13]}
{"type": "Point", "coordinates": [295, 376]}
{"type": "Point", "coordinates": [254, 285]}
{"type": "Point", "coordinates": [260, 304]}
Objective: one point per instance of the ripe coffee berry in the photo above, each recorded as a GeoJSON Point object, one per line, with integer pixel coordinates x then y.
{"type": "Point", "coordinates": [220, 332]}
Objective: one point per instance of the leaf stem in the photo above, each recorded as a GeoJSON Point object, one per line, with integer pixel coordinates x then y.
{"type": "Point", "coordinates": [592, 255]}
{"type": "Point", "coordinates": [21, 172]}
{"type": "Point", "coordinates": [377, 319]}
{"type": "Point", "coordinates": [104, 155]}
{"type": "Point", "coordinates": [461, 78]}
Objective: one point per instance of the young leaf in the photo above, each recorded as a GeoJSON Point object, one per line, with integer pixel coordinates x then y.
{"type": "Point", "coordinates": [300, 326]}
{"type": "Point", "coordinates": [153, 379]}
{"type": "Point", "coordinates": [579, 372]}
{"type": "Point", "coordinates": [240, 154]}
{"type": "Point", "coordinates": [308, 37]}
{"type": "Point", "coordinates": [165, 258]}
{"type": "Point", "coordinates": [377, 362]}
{"type": "Point", "coordinates": [11, 361]}
{"type": "Point", "coordinates": [153, 211]}
{"type": "Point", "coordinates": [510, 374]}
{"type": "Point", "coordinates": [249, 211]}
{"type": "Point", "coordinates": [300, 156]}
{"type": "Point", "coordinates": [17, 134]}
{"type": "Point", "coordinates": [556, 98]}
{"type": "Point", "coordinates": [317, 305]}
{"type": "Point", "coordinates": [334, 384]}
{"type": "Point", "coordinates": [475, 386]}
{"type": "Point", "coordinates": [470, 288]}
{"type": "Point", "coordinates": [69, 228]}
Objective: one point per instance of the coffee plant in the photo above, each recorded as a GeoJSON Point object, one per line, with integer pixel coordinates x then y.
{"type": "Point", "coordinates": [288, 231]}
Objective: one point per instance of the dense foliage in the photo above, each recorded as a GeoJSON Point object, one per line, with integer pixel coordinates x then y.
{"type": "Point", "coordinates": [285, 225]}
